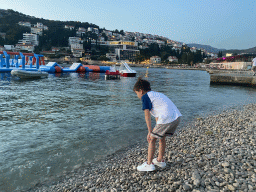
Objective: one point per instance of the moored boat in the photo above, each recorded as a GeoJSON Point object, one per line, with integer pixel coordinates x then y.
{"type": "Point", "coordinates": [126, 71]}
{"type": "Point", "coordinates": [29, 74]}
{"type": "Point", "coordinates": [112, 74]}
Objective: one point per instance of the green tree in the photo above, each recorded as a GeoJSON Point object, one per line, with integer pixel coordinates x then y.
{"type": "Point", "coordinates": [2, 41]}
{"type": "Point", "coordinates": [220, 54]}
{"type": "Point", "coordinates": [103, 58]}
{"type": "Point", "coordinates": [139, 58]}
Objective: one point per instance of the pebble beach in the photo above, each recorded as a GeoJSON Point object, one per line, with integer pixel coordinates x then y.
{"type": "Point", "coordinates": [214, 153]}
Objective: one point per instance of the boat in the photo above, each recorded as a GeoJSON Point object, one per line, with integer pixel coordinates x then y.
{"type": "Point", "coordinates": [112, 73]}
{"type": "Point", "coordinates": [29, 74]}
{"type": "Point", "coordinates": [126, 71]}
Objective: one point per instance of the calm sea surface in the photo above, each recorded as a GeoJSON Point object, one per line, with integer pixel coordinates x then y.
{"type": "Point", "coordinates": [51, 125]}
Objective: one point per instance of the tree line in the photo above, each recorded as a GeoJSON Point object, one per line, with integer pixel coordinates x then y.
{"type": "Point", "coordinates": [184, 55]}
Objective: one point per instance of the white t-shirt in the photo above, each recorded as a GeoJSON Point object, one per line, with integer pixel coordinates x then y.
{"type": "Point", "coordinates": [160, 106]}
{"type": "Point", "coordinates": [254, 62]}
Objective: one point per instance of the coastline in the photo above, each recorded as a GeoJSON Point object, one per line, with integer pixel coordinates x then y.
{"type": "Point", "coordinates": [215, 153]}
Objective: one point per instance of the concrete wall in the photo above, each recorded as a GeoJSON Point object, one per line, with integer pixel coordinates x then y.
{"type": "Point", "coordinates": [231, 65]}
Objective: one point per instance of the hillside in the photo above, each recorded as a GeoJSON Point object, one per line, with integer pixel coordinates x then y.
{"type": "Point", "coordinates": [236, 51]}
{"type": "Point", "coordinates": [208, 48]}
{"type": "Point", "coordinates": [9, 20]}
{"type": "Point", "coordinates": [11, 17]}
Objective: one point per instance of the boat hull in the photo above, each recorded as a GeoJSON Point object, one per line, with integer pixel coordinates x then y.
{"type": "Point", "coordinates": [29, 74]}
{"type": "Point", "coordinates": [128, 74]}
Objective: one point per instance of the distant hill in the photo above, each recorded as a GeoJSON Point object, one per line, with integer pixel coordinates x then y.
{"type": "Point", "coordinates": [224, 51]}
{"type": "Point", "coordinates": [236, 51]}
{"type": "Point", "coordinates": [208, 48]}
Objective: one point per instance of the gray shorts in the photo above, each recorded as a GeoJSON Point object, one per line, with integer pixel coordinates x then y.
{"type": "Point", "coordinates": [254, 68]}
{"type": "Point", "coordinates": [168, 129]}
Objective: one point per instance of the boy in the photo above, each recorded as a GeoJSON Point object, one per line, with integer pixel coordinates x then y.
{"type": "Point", "coordinates": [254, 66]}
{"type": "Point", "coordinates": [167, 119]}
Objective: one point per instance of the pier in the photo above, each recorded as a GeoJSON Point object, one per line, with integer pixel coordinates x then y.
{"type": "Point", "coordinates": [240, 78]}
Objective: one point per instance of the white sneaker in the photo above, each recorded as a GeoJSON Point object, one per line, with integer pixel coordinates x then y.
{"type": "Point", "coordinates": [161, 164]}
{"type": "Point", "coordinates": [146, 167]}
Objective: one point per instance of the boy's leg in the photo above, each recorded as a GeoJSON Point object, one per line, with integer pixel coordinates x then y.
{"type": "Point", "coordinates": [151, 149]}
{"type": "Point", "coordinates": [162, 145]}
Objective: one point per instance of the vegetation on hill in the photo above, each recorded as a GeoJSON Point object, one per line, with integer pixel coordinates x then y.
{"type": "Point", "coordinates": [55, 36]}
{"type": "Point", "coordinates": [184, 56]}
{"type": "Point", "coordinates": [243, 51]}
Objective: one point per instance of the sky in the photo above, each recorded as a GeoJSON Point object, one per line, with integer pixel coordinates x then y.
{"type": "Point", "coordinates": [227, 24]}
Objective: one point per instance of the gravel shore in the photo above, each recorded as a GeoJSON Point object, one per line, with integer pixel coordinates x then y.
{"type": "Point", "coordinates": [215, 153]}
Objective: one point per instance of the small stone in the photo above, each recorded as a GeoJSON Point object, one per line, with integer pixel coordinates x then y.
{"type": "Point", "coordinates": [231, 188]}
{"type": "Point", "coordinates": [197, 182]}
{"type": "Point", "coordinates": [225, 164]}
{"type": "Point", "coordinates": [250, 187]}
{"type": "Point", "coordinates": [236, 185]}
{"type": "Point", "coordinates": [187, 187]}
{"type": "Point", "coordinates": [226, 170]}
{"type": "Point", "coordinates": [195, 190]}
{"type": "Point", "coordinates": [195, 176]}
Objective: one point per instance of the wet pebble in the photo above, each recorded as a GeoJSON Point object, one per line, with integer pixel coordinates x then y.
{"type": "Point", "coordinates": [215, 153]}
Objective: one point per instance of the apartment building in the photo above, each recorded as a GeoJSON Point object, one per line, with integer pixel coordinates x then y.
{"type": "Point", "coordinates": [29, 38]}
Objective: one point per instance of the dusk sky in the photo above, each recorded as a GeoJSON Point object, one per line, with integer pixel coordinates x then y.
{"type": "Point", "coordinates": [228, 24]}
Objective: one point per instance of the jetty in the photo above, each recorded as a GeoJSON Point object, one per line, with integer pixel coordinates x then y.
{"type": "Point", "coordinates": [227, 77]}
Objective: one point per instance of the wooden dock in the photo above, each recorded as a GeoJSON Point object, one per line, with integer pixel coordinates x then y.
{"type": "Point", "coordinates": [241, 78]}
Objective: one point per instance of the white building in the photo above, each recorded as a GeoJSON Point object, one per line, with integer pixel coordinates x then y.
{"type": "Point", "coordinates": [40, 25]}
{"type": "Point", "coordinates": [76, 46]}
{"type": "Point", "coordinates": [25, 47]}
{"type": "Point", "coordinates": [74, 40]}
{"type": "Point", "coordinates": [111, 56]}
{"type": "Point", "coordinates": [29, 38]}
{"type": "Point", "coordinates": [80, 31]}
{"type": "Point", "coordinates": [172, 59]}
{"type": "Point", "coordinates": [25, 24]}
{"type": "Point", "coordinates": [69, 27]}
{"type": "Point", "coordinates": [9, 47]}
{"type": "Point", "coordinates": [36, 30]}
{"type": "Point", "coordinates": [77, 52]}
{"type": "Point", "coordinates": [3, 35]}
{"type": "Point", "coordinates": [155, 59]}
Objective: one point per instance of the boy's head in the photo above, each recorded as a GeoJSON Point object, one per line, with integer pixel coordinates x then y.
{"type": "Point", "coordinates": [141, 87]}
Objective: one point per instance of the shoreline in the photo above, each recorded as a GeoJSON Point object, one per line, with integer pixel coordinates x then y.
{"type": "Point", "coordinates": [214, 153]}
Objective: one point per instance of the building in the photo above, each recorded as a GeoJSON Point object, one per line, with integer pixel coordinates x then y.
{"type": "Point", "coordinates": [127, 54]}
{"type": "Point", "coordinates": [25, 24]}
{"type": "Point", "coordinates": [69, 27]}
{"type": "Point", "coordinates": [172, 59]}
{"type": "Point", "coordinates": [25, 47]}
{"type": "Point", "coordinates": [155, 59]}
{"type": "Point", "coordinates": [3, 35]}
{"type": "Point", "coordinates": [112, 57]}
{"type": "Point", "coordinates": [124, 50]}
{"type": "Point", "coordinates": [77, 52]}
{"type": "Point", "coordinates": [9, 47]}
{"type": "Point", "coordinates": [76, 46]}
{"type": "Point", "coordinates": [80, 31]}
{"type": "Point", "coordinates": [229, 54]}
{"type": "Point", "coordinates": [74, 40]}
{"type": "Point", "coordinates": [36, 30]}
{"type": "Point", "coordinates": [29, 38]}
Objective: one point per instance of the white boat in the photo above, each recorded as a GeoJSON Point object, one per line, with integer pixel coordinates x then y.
{"type": "Point", "coordinates": [29, 74]}
{"type": "Point", "coordinates": [126, 71]}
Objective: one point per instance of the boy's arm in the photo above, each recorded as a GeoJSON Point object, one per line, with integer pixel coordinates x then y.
{"type": "Point", "coordinates": [156, 119]}
{"type": "Point", "coordinates": [148, 120]}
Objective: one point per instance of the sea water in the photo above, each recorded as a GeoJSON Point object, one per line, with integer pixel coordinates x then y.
{"type": "Point", "coordinates": [49, 126]}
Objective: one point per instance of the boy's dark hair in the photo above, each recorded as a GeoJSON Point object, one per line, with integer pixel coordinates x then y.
{"type": "Point", "coordinates": [142, 84]}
